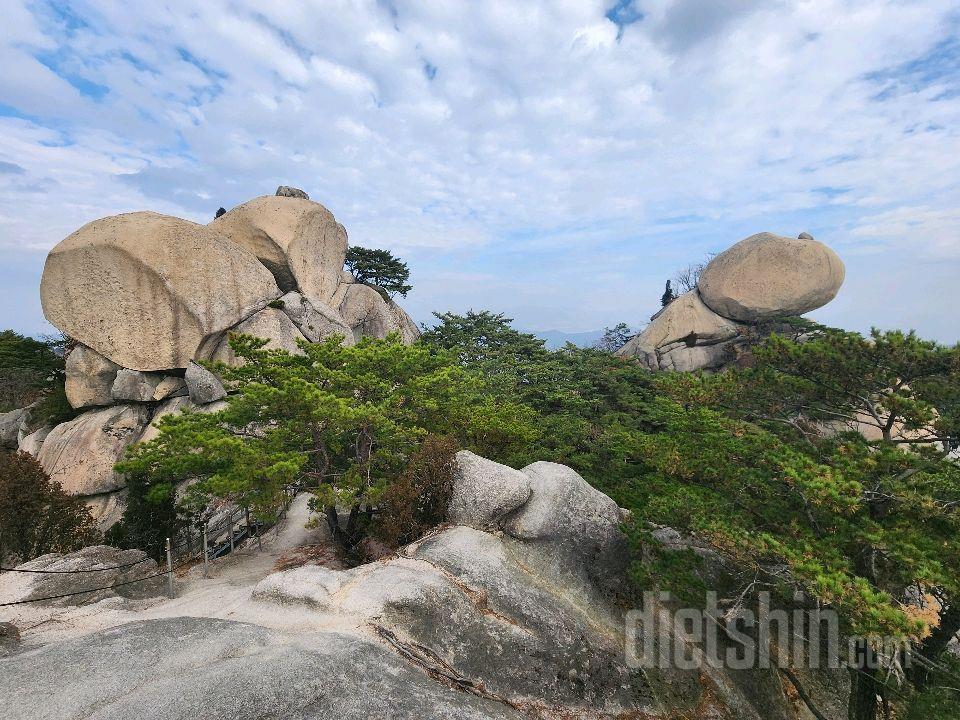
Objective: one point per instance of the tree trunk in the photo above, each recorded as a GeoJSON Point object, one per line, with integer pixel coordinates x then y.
{"type": "Point", "coordinates": [864, 686]}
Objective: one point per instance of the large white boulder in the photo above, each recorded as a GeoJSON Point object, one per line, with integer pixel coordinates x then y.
{"type": "Point", "coordinates": [298, 240]}
{"type": "Point", "coordinates": [271, 324]}
{"type": "Point", "coordinates": [768, 275]}
{"type": "Point", "coordinates": [80, 454]}
{"type": "Point", "coordinates": [90, 377]}
{"type": "Point", "coordinates": [148, 290]}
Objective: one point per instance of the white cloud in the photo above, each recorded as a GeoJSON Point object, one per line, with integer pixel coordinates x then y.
{"type": "Point", "coordinates": [475, 129]}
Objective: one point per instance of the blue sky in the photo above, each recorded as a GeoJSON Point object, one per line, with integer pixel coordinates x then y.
{"type": "Point", "coordinates": [555, 161]}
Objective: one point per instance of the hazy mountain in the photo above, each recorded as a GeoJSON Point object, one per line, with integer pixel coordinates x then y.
{"type": "Point", "coordinates": [557, 339]}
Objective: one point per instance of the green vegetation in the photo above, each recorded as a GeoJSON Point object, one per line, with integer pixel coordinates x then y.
{"type": "Point", "coordinates": [820, 469]}
{"type": "Point", "coordinates": [614, 337]}
{"type": "Point", "coordinates": [36, 516]}
{"type": "Point", "coordinates": [380, 269]}
{"type": "Point", "coordinates": [343, 422]}
{"type": "Point", "coordinates": [32, 371]}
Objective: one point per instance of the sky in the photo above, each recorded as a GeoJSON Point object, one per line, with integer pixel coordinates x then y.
{"type": "Point", "coordinates": [554, 161]}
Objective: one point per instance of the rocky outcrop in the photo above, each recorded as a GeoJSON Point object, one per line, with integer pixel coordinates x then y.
{"type": "Point", "coordinates": [86, 572]}
{"type": "Point", "coordinates": [685, 335]}
{"type": "Point", "coordinates": [767, 276]}
{"type": "Point", "coordinates": [80, 454]}
{"type": "Point", "coordinates": [299, 241]}
{"type": "Point", "coordinates": [148, 296]}
{"type": "Point", "coordinates": [368, 313]}
{"type": "Point", "coordinates": [147, 290]}
{"type": "Point", "coordinates": [760, 279]}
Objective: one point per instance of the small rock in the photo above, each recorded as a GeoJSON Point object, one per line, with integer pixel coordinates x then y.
{"type": "Point", "coordinates": [202, 385]}
{"type": "Point", "coordinates": [170, 386]}
{"type": "Point", "coordinates": [287, 191]}
{"type": "Point", "coordinates": [90, 378]}
{"type": "Point", "coordinates": [804, 236]}
{"type": "Point", "coordinates": [9, 638]}
{"type": "Point", "coordinates": [116, 566]}
{"type": "Point", "coordinates": [80, 454]}
{"type": "Point", "coordinates": [135, 386]}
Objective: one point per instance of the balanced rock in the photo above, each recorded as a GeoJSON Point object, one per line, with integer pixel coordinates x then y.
{"type": "Point", "coordinates": [685, 335]}
{"type": "Point", "coordinates": [270, 324]}
{"type": "Point", "coordinates": [299, 241]}
{"type": "Point", "coordinates": [202, 385]}
{"type": "Point", "coordinates": [90, 377]}
{"type": "Point", "coordinates": [148, 290]}
{"type": "Point", "coordinates": [316, 320]}
{"type": "Point", "coordinates": [767, 275]}
{"type": "Point", "coordinates": [80, 454]}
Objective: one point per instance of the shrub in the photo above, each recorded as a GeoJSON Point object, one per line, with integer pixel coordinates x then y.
{"type": "Point", "coordinates": [36, 515]}
{"type": "Point", "coordinates": [417, 501]}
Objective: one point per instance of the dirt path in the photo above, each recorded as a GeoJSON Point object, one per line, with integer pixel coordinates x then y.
{"type": "Point", "coordinates": [226, 593]}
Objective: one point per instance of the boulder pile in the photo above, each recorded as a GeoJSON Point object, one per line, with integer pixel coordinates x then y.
{"type": "Point", "coordinates": [145, 296]}
{"type": "Point", "coordinates": [758, 280]}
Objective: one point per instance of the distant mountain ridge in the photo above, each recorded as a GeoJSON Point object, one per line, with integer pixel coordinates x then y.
{"type": "Point", "coordinates": [557, 339]}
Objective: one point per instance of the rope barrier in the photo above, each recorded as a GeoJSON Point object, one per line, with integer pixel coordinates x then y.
{"type": "Point", "coordinates": [85, 592]}
{"type": "Point", "coordinates": [73, 572]}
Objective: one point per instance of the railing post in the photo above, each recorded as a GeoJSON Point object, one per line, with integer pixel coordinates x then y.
{"type": "Point", "coordinates": [230, 530]}
{"type": "Point", "coordinates": [206, 551]}
{"type": "Point", "coordinates": [169, 570]}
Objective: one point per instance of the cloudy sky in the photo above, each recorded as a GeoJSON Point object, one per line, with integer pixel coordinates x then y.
{"type": "Point", "coordinates": [555, 161]}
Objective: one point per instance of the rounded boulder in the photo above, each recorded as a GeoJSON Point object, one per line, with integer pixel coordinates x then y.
{"type": "Point", "coordinates": [146, 290]}
{"type": "Point", "coordinates": [298, 240]}
{"type": "Point", "coordinates": [767, 275]}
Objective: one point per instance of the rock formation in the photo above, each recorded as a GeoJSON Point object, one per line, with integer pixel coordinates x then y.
{"type": "Point", "coordinates": [147, 295]}
{"type": "Point", "coordinates": [513, 611]}
{"type": "Point", "coordinates": [760, 279]}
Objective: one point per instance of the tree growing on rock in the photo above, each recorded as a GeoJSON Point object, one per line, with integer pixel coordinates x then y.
{"type": "Point", "coordinates": [379, 268]}
{"type": "Point", "coordinates": [341, 422]}
{"type": "Point", "coordinates": [614, 337]}
{"type": "Point", "coordinates": [668, 295]}
{"type": "Point", "coordinates": [36, 515]}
